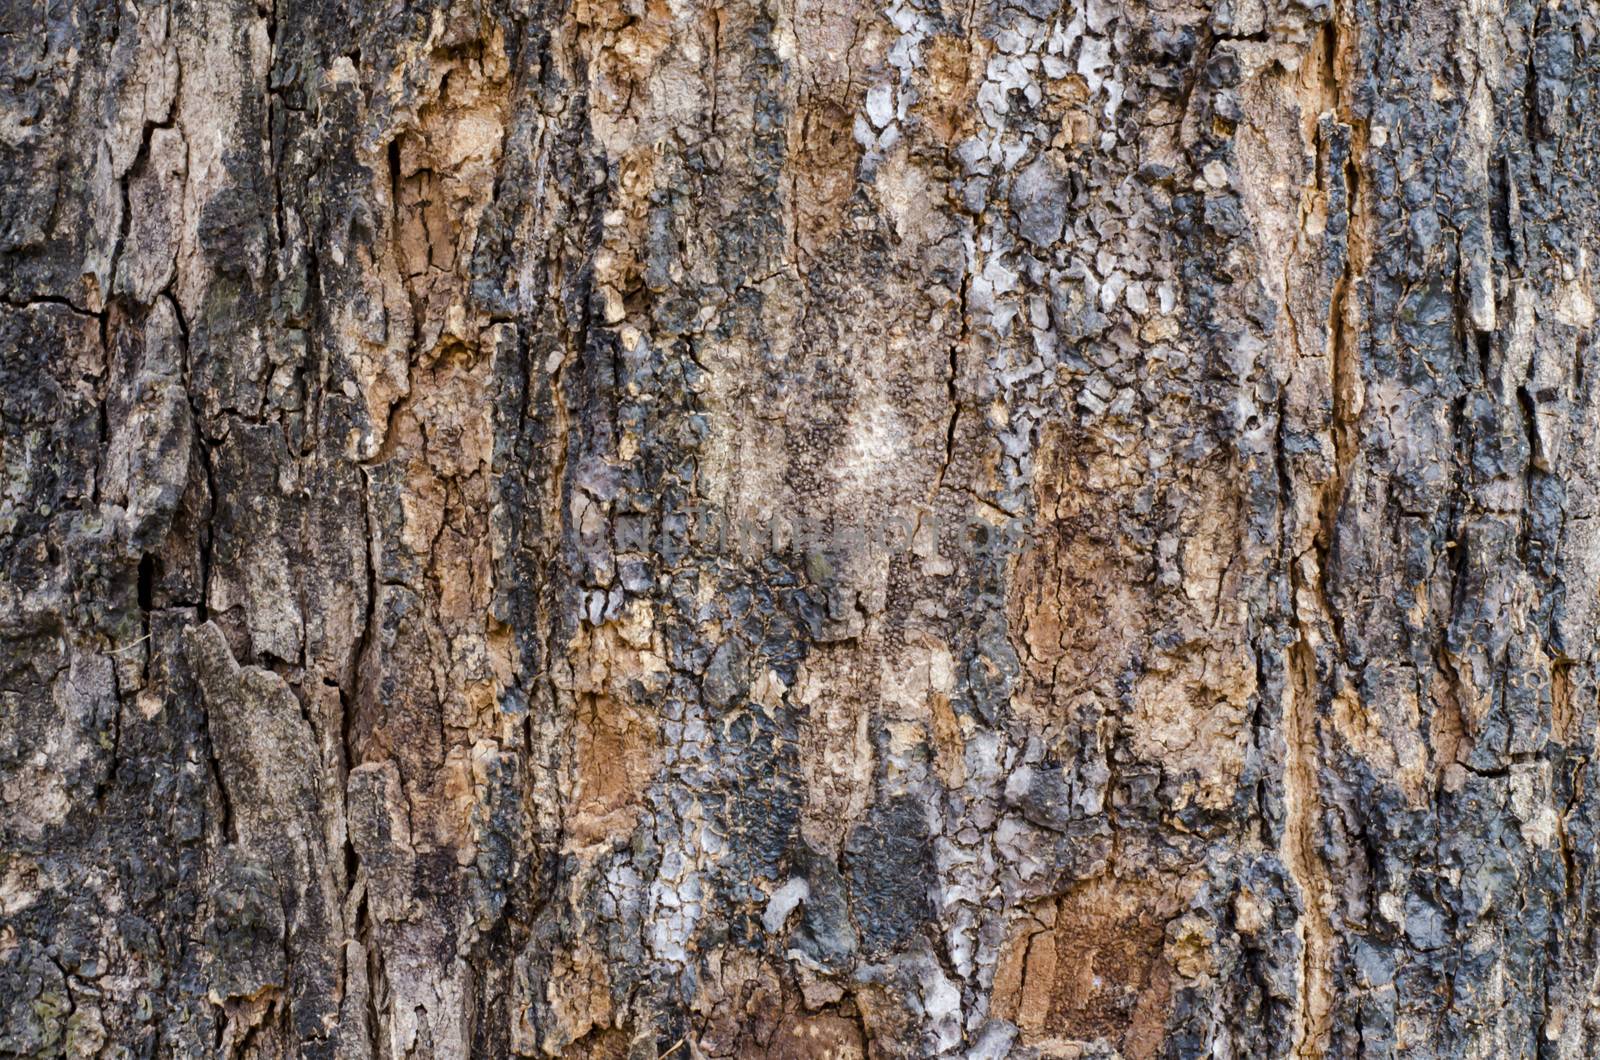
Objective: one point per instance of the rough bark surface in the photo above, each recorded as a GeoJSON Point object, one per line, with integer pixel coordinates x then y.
{"type": "Point", "coordinates": [643, 528]}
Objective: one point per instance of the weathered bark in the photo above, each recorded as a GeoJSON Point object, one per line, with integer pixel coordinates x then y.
{"type": "Point", "coordinates": [784, 527]}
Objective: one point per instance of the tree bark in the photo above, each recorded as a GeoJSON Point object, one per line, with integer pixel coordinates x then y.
{"type": "Point", "coordinates": [720, 528]}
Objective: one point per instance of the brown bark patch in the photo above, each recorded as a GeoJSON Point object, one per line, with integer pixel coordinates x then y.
{"type": "Point", "coordinates": [616, 743]}
{"type": "Point", "coordinates": [1089, 965]}
{"type": "Point", "coordinates": [947, 104]}
{"type": "Point", "coordinates": [823, 1036]}
{"type": "Point", "coordinates": [823, 175]}
{"type": "Point", "coordinates": [1075, 601]}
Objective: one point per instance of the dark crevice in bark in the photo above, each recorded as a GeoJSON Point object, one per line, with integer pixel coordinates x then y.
{"type": "Point", "coordinates": [952, 391]}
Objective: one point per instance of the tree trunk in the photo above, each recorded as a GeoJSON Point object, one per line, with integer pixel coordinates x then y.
{"type": "Point", "coordinates": [779, 527]}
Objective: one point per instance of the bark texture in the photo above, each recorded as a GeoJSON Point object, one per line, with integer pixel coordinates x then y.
{"type": "Point", "coordinates": [720, 528]}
